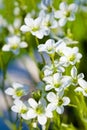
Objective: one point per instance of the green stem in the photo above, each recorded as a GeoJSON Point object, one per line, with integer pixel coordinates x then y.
{"type": "Point", "coordinates": [52, 59]}
{"type": "Point", "coordinates": [37, 42]}
{"type": "Point", "coordinates": [20, 124]}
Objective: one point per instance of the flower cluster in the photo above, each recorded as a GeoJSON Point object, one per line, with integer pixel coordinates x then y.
{"type": "Point", "coordinates": [63, 57]}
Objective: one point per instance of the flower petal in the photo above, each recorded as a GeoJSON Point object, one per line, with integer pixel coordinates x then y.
{"type": "Point", "coordinates": [62, 21]}
{"type": "Point", "coordinates": [42, 119]}
{"type": "Point", "coordinates": [6, 48]}
{"type": "Point", "coordinates": [51, 106]}
{"type": "Point", "coordinates": [66, 101]}
{"type": "Point", "coordinates": [23, 44]}
{"type": "Point", "coordinates": [63, 6]}
{"type": "Point", "coordinates": [15, 109]}
{"type": "Point", "coordinates": [82, 83]}
{"type": "Point", "coordinates": [31, 114]}
{"type": "Point", "coordinates": [24, 28]}
{"type": "Point", "coordinates": [74, 72]}
{"type": "Point", "coordinates": [32, 103]}
{"type": "Point", "coordinates": [51, 97]}
{"type": "Point", "coordinates": [48, 87]}
{"type": "Point", "coordinates": [16, 85]}
{"type": "Point", "coordinates": [9, 91]}
{"type": "Point", "coordinates": [60, 109]}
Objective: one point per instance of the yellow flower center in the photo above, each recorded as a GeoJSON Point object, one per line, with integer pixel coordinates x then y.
{"type": "Point", "coordinates": [86, 90]}
{"type": "Point", "coordinates": [72, 57]}
{"type": "Point", "coordinates": [67, 13]}
{"type": "Point", "coordinates": [39, 109]}
{"type": "Point", "coordinates": [14, 46]}
{"type": "Point", "coordinates": [23, 111]}
{"type": "Point", "coordinates": [36, 28]}
{"type": "Point", "coordinates": [19, 92]}
{"type": "Point", "coordinates": [60, 102]}
{"type": "Point", "coordinates": [47, 24]}
{"type": "Point", "coordinates": [57, 85]}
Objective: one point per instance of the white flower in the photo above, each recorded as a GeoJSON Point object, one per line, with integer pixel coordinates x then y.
{"type": "Point", "coordinates": [48, 23]}
{"type": "Point", "coordinates": [66, 13]}
{"type": "Point", "coordinates": [33, 26]}
{"type": "Point", "coordinates": [57, 102]}
{"type": "Point", "coordinates": [48, 47]}
{"type": "Point", "coordinates": [83, 87]}
{"type": "Point", "coordinates": [61, 45]}
{"type": "Point", "coordinates": [50, 68]}
{"type": "Point", "coordinates": [17, 90]}
{"type": "Point", "coordinates": [69, 41]}
{"type": "Point", "coordinates": [20, 108]}
{"type": "Point", "coordinates": [75, 77]}
{"type": "Point", "coordinates": [45, 4]}
{"type": "Point", "coordinates": [56, 81]}
{"type": "Point", "coordinates": [17, 23]}
{"type": "Point", "coordinates": [71, 56]}
{"type": "Point", "coordinates": [3, 22]}
{"type": "Point", "coordinates": [14, 44]}
{"type": "Point", "coordinates": [39, 110]}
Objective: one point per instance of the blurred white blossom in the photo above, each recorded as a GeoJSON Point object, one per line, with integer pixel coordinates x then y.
{"type": "Point", "coordinates": [17, 90]}
{"type": "Point", "coordinates": [21, 108]}
{"type": "Point", "coordinates": [66, 13]}
{"type": "Point", "coordinates": [57, 102]}
{"type": "Point", "coordinates": [14, 44]}
{"type": "Point", "coordinates": [39, 110]}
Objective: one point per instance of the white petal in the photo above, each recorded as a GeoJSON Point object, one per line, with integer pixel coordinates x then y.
{"type": "Point", "coordinates": [48, 79]}
{"type": "Point", "coordinates": [66, 101]}
{"type": "Point", "coordinates": [24, 28]}
{"type": "Point", "coordinates": [63, 6]}
{"type": "Point", "coordinates": [84, 93]}
{"type": "Point", "coordinates": [82, 83]}
{"type": "Point", "coordinates": [75, 49]}
{"type": "Point", "coordinates": [9, 91]}
{"type": "Point", "coordinates": [72, 17]}
{"type": "Point", "coordinates": [81, 76]}
{"type": "Point", "coordinates": [15, 109]}
{"type": "Point", "coordinates": [32, 103]}
{"type": "Point", "coordinates": [42, 119]}
{"type": "Point", "coordinates": [37, 21]}
{"type": "Point", "coordinates": [18, 103]}
{"type": "Point", "coordinates": [25, 116]}
{"type": "Point", "coordinates": [6, 48]}
{"type": "Point", "coordinates": [51, 106]}
{"type": "Point", "coordinates": [79, 56]}
{"type": "Point", "coordinates": [31, 114]}
{"type": "Point", "coordinates": [57, 76]}
{"type": "Point", "coordinates": [51, 97]}
{"type": "Point", "coordinates": [63, 59]}
{"type": "Point", "coordinates": [17, 85]}
{"type": "Point", "coordinates": [49, 113]}
{"type": "Point", "coordinates": [79, 89]}
{"type": "Point", "coordinates": [62, 21]}
{"type": "Point", "coordinates": [38, 34]}
{"type": "Point", "coordinates": [23, 44]}
{"type": "Point", "coordinates": [48, 87]}
{"type": "Point", "coordinates": [73, 7]}
{"type": "Point", "coordinates": [58, 14]}
{"type": "Point", "coordinates": [28, 21]}
{"type": "Point", "coordinates": [74, 72]}
{"type": "Point", "coordinates": [60, 109]}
